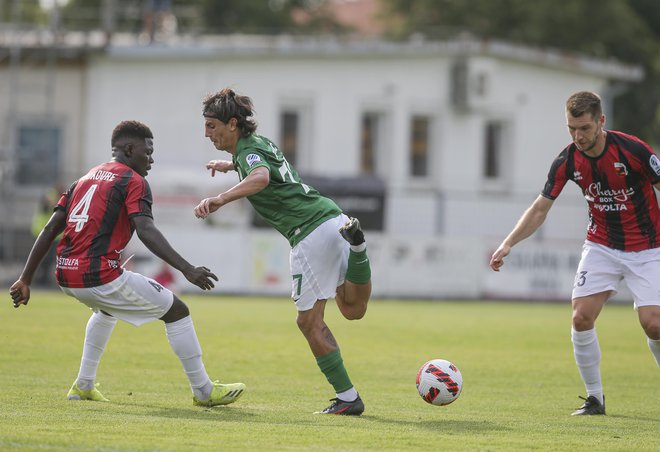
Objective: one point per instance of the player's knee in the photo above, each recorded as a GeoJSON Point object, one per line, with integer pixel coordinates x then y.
{"type": "Point", "coordinates": [582, 322]}
{"type": "Point", "coordinates": [304, 323]}
{"type": "Point", "coordinates": [652, 328]}
{"type": "Point", "coordinates": [355, 313]}
{"type": "Point", "coordinates": [177, 311]}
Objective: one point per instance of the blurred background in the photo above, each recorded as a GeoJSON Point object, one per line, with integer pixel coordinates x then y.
{"type": "Point", "coordinates": [433, 121]}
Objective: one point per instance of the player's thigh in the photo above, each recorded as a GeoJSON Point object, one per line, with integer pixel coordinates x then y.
{"type": "Point", "coordinates": [642, 276]}
{"type": "Point", "coordinates": [132, 297]}
{"type": "Point", "coordinates": [318, 264]}
{"type": "Point", "coordinates": [586, 309]}
{"type": "Point", "coordinates": [599, 271]}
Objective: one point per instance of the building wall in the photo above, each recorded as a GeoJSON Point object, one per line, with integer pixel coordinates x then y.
{"type": "Point", "coordinates": [439, 230]}
{"type": "Point", "coordinates": [33, 95]}
{"type": "Point", "coordinates": [166, 93]}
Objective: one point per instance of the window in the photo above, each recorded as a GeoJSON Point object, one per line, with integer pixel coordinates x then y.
{"type": "Point", "coordinates": [37, 152]}
{"type": "Point", "coordinates": [369, 142]}
{"type": "Point", "coordinates": [419, 146]}
{"type": "Point", "coordinates": [289, 134]}
{"type": "Point", "coordinates": [493, 149]}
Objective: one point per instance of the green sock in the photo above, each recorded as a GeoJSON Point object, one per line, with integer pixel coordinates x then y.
{"type": "Point", "coordinates": [332, 366]}
{"type": "Point", "coordinates": [359, 270]}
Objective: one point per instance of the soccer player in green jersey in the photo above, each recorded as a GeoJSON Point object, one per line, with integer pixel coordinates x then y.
{"type": "Point", "coordinates": [328, 252]}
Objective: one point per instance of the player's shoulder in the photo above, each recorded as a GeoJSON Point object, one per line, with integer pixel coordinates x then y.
{"type": "Point", "coordinates": [567, 153]}
{"type": "Point", "coordinates": [627, 142]}
{"type": "Point", "coordinates": [253, 143]}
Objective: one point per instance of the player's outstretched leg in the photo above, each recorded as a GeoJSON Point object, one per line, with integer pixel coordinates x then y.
{"type": "Point", "coordinates": [98, 332]}
{"type": "Point", "coordinates": [185, 344]}
{"type": "Point", "coordinates": [353, 296]}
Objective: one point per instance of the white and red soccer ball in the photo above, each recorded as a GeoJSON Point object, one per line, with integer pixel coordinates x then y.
{"type": "Point", "coordinates": [439, 382]}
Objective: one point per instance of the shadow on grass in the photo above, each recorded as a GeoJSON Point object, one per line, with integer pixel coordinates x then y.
{"type": "Point", "coordinates": [634, 418]}
{"type": "Point", "coordinates": [242, 414]}
{"type": "Point", "coordinates": [441, 425]}
{"type": "Point", "coordinates": [217, 413]}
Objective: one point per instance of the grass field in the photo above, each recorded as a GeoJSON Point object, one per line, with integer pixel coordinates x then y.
{"type": "Point", "coordinates": [520, 380]}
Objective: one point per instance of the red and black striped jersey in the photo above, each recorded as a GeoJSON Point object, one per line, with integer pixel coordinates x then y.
{"type": "Point", "coordinates": [98, 208]}
{"type": "Point", "coordinates": [618, 187]}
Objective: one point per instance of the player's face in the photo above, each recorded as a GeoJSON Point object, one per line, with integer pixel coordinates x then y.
{"type": "Point", "coordinates": [585, 130]}
{"type": "Point", "coordinates": [141, 158]}
{"type": "Point", "coordinates": [223, 136]}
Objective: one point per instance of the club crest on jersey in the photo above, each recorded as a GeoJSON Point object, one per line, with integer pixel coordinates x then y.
{"type": "Point", "coordinates": [620, 169]}
{"type": "Point", "coordinates": [252, 159]}
{"type": "Point", "coordinates": [655, 164]}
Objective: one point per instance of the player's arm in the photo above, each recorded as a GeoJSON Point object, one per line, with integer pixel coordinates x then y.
{"type": "Point", "coordinates": [220, 165]}
{"type": "Point", "coordinates": [156, 242]}
{"type": "Point", "coordinates": [530, 221]}
{"type": "Point", "coordinates": [20, 290]}
{"type": "Point", "coordinates": [256, 181]}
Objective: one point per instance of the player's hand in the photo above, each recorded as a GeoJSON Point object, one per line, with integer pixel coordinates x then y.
{"type": "Point", "coordinates": [207, 206]}
{"type": "Point", "coordinates": [20, 293]}
{"type": "Point", "coordinates": [219, 165]}
{"type": "Point", "coordinates": [201, 277]}
{"type": "Point", "coordinates": [497, 259]}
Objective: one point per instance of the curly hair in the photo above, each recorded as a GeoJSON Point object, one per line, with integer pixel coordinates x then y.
{"type": "Point", "coordinates": [226, 104]}
{"type": "Point", "coordinates": [130, 129]}
{"type": "Point", "coordinates": [584, 102]}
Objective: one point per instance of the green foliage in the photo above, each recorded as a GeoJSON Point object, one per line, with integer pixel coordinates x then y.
{"type": "Point", "coordinates": [627, 30]}
{"type": "Point", "coordinates": [265, 16]}
{"type": "Point", "coordinates": [520, 386]}
{"type": "Point", "coordinates": [22, 12]}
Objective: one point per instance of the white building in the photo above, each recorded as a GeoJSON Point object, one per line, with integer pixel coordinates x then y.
{"type": "Point", "coordinates": [460, 133]}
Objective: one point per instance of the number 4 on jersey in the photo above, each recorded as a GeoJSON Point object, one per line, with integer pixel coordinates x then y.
{"type": "Point", "coordinates": [79, 214]}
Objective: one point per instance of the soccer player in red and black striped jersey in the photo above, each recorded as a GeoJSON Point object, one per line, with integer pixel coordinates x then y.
{"type": "Point", "coordinates": [617, 174]}
{"type": "Point", "coordinates": [97, 217]}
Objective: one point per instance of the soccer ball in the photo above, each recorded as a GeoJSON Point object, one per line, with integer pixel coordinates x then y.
{"type": "Point", "coordinates": [439, 382]}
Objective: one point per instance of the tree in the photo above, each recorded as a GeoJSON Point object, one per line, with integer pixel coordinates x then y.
{"type": "Point", "coordinates": [623, 29]}
{"type": "Point", "coordinates": [22, 12]}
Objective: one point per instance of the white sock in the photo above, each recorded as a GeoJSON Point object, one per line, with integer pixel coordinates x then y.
{"type": "Point", "coordinates": [587, 357]}
{"type": "Point", "coordinates": [183, 340]}
{"type": "Point", "coordinates": [654, 345]}
{"type": "Point", "coordinates": [359, 248]}
{"type": "Point", "coordinates": [98, 331]}
{"type": "Point", "coordinates": [348, 396]}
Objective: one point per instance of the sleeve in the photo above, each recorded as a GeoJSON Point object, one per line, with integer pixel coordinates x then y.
{"type": "Point", "coordinates": [642, 152]}
{"type": "Point", "coordinates": [650, 163]}
{"type": "Point", "coordinates": [64, 199]}
{"type": "Point", "coordinates": [557, 176]}
{"type": "Point", "coordinates": [138, 198]}
{"type": "Point", "coordinates": [654, 164]}
{"type": "Point", "coordinates": [251, 159]}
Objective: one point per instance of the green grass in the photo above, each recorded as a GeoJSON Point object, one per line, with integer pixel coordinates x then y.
{"type": "Point", "coordinates": [520, 380]}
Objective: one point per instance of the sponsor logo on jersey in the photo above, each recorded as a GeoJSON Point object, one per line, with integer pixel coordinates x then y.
{"type": "Point", "coordinates": [67, 263]}
{"type": "Point", "coordinates": [620, 169]}
{"type": "Point", "coordinates": [577, 175]}
{"type": "Point", "coordinates": [655, 164]}
{"type": "Point", "coordinates": [252, 159]}
{"type": "Point", "coordinates": [594, 192]}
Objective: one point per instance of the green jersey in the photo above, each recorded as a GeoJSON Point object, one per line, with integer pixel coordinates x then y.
{"type": "Point", "coordinates": [287, 204]}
